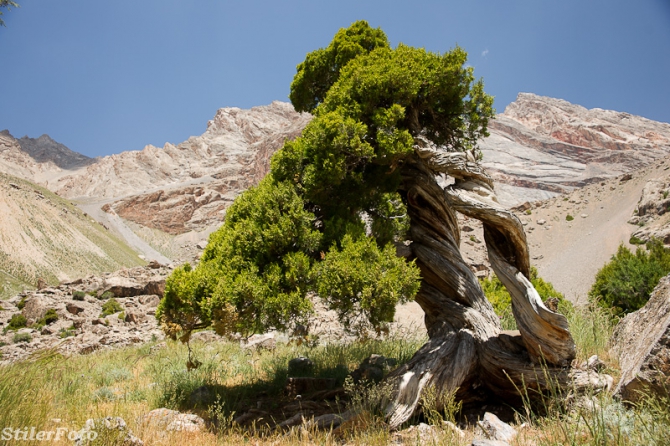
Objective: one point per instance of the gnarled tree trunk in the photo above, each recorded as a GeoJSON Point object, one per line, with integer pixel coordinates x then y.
{"type": "Point", "coordinates": [467, 353]}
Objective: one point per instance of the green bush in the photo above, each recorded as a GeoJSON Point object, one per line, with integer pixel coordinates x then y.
{"type": "Point", "coordinates": [22, 303]}
{"type": "Point", "coordinates": [78, 295]}
{"type": "Point", "coordinates": [22, 337]}
{"type": "Point", "coordinates": [569, 217]}
{"type": "Point", "coordinates": [635, 241]}
{"type": "Point", "coordinates": [501, 300]}
{"type": "Point", "coordinates": [110, 307]}
{"type": "Point", "coordinates": [17, 321]}
{"type": "Point", "coordinates": [49, 318]}
{"type": "Point", "coordinates": [626, 282]}
{"type": "Point", "coordinates": [106, 295]}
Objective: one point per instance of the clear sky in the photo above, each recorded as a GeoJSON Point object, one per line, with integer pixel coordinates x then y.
{"type": "Point", "coordinates": [102, 77]}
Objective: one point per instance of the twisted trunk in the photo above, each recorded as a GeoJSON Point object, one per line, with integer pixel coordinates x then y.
{"type": "Point", "coordinates": [467, 353]}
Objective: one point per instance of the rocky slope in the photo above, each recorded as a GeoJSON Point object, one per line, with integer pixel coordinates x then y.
{"type": "Point", "coordinates": [45, 237]}
{"type": "Point", "coordinates": [541, 146]}
{"type": "Point", "coordinates": [79, 326]}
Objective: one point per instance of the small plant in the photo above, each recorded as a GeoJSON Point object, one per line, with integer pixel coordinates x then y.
{"type": "Point", "coordinates": [565, 198]}
{"type": "Point", "coordinates": [106, 295]}
{"type": "Point", "coordinates": [569, 217]}
{"type": "Point", "coordinates": [528, 212]}
{"type": "Point", "coordinates": [22, 303]}
{"type": "Point", "coordinates": [78, 295]}
{"type": "Point", "coordinates": [474, 239]}
{"type": "Point", "coordinates": [104, 394]}
{"type": "Point", "coordinates": [635, 241]}
{"type": "Point", "coordinates": [22, 337]}
{"type": "Point", "coordinates": [17, 321]}
{"type": "Point", "coordinates": [665, 194]}
{"type": "Point", "coordinates": [49, 318]}
{"type": "Point", "coordinates": [110, 307]}
{"type": "Point", "coordinates": [122, 315]}
{"type": "Point", "coordinates": [65, 332]}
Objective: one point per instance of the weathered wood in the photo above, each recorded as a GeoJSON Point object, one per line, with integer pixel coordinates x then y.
{"type": "Point", "coordinates": [466, 350]}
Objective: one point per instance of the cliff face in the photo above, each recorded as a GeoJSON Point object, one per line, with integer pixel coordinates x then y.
{"type": "Point", "coordinates": [236, 145]}
{"type": "Point", "coordinates": [545, 144]}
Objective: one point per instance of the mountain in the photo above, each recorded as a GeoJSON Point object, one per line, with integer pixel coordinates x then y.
{"type": "Point", "coordinates": [47, 238]}
{"type": "Point", "coordinates": [541, 146]}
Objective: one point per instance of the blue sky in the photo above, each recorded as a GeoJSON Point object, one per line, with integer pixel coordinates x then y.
{"type": "Point", "coordinates": [103, 77]}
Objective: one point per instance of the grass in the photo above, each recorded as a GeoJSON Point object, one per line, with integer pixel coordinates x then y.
{"type": "Point", "coordinates": [132, 381]}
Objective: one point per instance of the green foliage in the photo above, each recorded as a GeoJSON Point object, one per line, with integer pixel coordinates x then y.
{"type": "Point", "coordinates": [22, 303]}
{"type": "Point", "coordinates": [325, 217]}
{"type": "Point", "coordinates": [49, 318]}
{"type": "Point", "coordinates": [501, 300]}
{"type": "Point", "coordinates": [362, 280]}
{"type": "Point", "coordinates": [635, 240]}
{"type": "Point", "coordinates": [321, 68]}
{"type": "Point", "coordinates": [627, 280]}
{"type": "Point", "coordinates": [22, 337]}
{"type": "Point", "coordinates": [106, 295]}
{"type": "Point", "coordinates": [569, 217]}
{"type": "Point", "coordinates": [110, 307]}
{"type": "Point", "coordinates": [17, 321]}
{"type": "Point", "coordinates": [78, 295]}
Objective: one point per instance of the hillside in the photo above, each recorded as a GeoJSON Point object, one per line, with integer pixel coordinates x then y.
{"type": "Point", "coordinates": [43, 236]}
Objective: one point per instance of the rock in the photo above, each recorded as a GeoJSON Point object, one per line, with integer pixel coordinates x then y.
{"type": "Point", "coordinates": [495, 429]}
{"type": "Point", "coordinates": [260, 341]}
{"type": "Point", "coordinates": [421, 434]}
{"type": "Point", "coordinates": [34, 309]}
{"type": "Point", "coordinates": [74, 308]}
{"type": "Point", "coordinates": [294, 420]}
{"type": "Point", "coordinates": [641, 342]}
{"type": "Point", "coordinates": [484, 442]}
{"type": "Point", "coordinates": [541, 221]}
{"type": "Point", "coordinates": [172, 420]}
{"type": "Point", "coordinates": [584, 215]}
{"type": "Point", "coordinates": [134, 317]}
{"type": "Point", "coordinates": [300, 366]}
{"type": "Point", "coordinates": [205, 336]}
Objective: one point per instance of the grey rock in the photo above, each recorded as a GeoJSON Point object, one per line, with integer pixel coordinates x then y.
{"type": "Point", "coordinates": [260, 341]}
{"type": "Point", "coordinates": [495, 429]}
{"type": "Point", "coordinates": [641, 341]}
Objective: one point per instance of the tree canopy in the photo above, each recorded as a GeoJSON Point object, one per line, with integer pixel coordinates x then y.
{"type": "Point", "coordinates": [326, 217]}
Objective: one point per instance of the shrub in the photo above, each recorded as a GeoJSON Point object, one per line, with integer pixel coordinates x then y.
{"type": "Point", "coordinates": [78, 295]}
{"type": "Point", "coordinates": [569, 217]}
{"type": "Point", "coordinates": [106, 295]}
{"type": "Point", "coordinates": [22, 303]}
{"type": "Point", "coordinates": [501, 300]}
{"type": "Point", "coordinates": [22, 337]}
{"type": "Point", "coordinates": [49, 318]}
{"type": "Point", "coordinates": [635, 241]}
{"type": "Point", "coordinates": [626, 282]}
{"type": "Point", "coordinates": [17, 321]}
{"type": "Point", "coordinates": [110, 307]}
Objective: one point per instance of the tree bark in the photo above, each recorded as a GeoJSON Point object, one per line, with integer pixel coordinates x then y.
{"type": "Point", "coordinates": [467, 354]}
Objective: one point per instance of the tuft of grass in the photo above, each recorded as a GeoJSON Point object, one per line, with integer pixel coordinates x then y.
{"type": "Point", "coordinates": [569, 217]}
{"type": "Point", "coordinates": [22, 337]}
{"type": "Point", "coordinates": [49, 318]}
{"type": "Point", "coordinates": [78, 295]}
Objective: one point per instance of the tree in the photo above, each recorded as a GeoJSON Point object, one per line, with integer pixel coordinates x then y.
{"type": "Point", "coordinates": [388, 123]}
{"type": "Point", "coordinates": [9, 4]}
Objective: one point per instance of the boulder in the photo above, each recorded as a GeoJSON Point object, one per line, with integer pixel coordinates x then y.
{"type": "Point", "coordinates": [641, 341]}
{"type": "Point", "coordinates": [495, 429]}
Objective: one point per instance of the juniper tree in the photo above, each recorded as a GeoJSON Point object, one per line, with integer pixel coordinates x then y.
{"type": "Point", "coordinates": [390, 155]}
